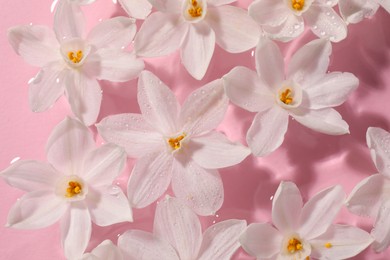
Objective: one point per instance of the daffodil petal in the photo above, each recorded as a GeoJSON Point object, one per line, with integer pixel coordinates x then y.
{"type": "Point", "coordinates": [220, 241]}
{"type": "Point", "coordinates": [378, 141]}
{"type": "Point", "coordinates": [197, 49]}
{"type": "Point", "coordinates": [138, 9]}
{"type": "Point", "coordinates": [141, 245]}
{"type": "Point", "coordinates": [167, 6]}
{"type": "Point", "coordinates": [213, 150]}
{"type": "Point", "coordinates": [69, 21]}
{"type": "Point", "coordinates": [354, 11]}
{"type": "Point", "coordinates": [105, 250]}
{"type": "Point", "coordinates": [149, 179]}
{"type": "Point", "coordinates": [234, 30]}
{"type": "Point", "coordinates": [381, 230]}
{"type": "Point", "coordinates": [36, 209]}
{"type": "Point", "coordinates": [202, 189]}
{"type": "Point", "coordinates": [267, 131]}
{"type": "Point", "coordinates": [244, 88]}
{"type": "Point", "coordinates": [115, 33]}
{"type": "Point", "coordinates": [269, 12]}
{"type": "Point", "coordinates": [261, 240]}
{"type": "Point", "coordinates": [176, 223]}
{"type": "Point", "coordinates": [319, 212]}
{"type": "Point", "coordinates": [292, 27]}
{"type": "Point", "coordinates": [132, 132]}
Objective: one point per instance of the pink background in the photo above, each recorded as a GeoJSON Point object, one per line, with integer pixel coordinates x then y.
{"type": "Point", "coordinates": [313, 161]}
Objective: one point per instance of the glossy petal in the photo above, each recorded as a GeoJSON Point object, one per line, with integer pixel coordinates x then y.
{"type": "Point", "coordinates": [141, 245]}
{"type": "Point", "coordinates": [378, 141]}
{"type": "Point", "coordinates": [46, 88]}
{"type": "Point", "coordinates": [108, 206]}
{"type": "Point", "coordinates": [367, 196]}
{"type": "Point", "coordinates": [269, 12]}
{"type": "Point", "coordinates": [113, 33]}
{"type": "Point", "coordinates": [213, 150]}
{"type": "Point", "coordinates": [204, 109]}
{"type": "Point", "coordinates": [167, 6]}
{"type": "Point", "coordinates": [346, 242]}
{"type": "Point", "coordinates": [197, 49]}
{"type": "Point", "coordinates": [326, 23]}
{"type": "Point", "coordinates": [267, 131]}
{"type": "Point", "coordinates": [310, 62]}
{"type": "Point", "coordinates": [150, 178]}
{"type": "Point", "coordinates": [319, 212]}
{"type": "Point", "coordinates": [327, 121]}
{"type": "Point", "coordinates": [270, 63]}
{"type": "Point", "coordinates": [261, 240]}
{"type": "Point", "coordinates": [30, 175]}
{"type": "Point", "coordinates": [235, 31]}
{"type": "Point", "coordinates": [381, 230]}
{"type": "Point", "coordinates": [36, 44]}
{"type": "Point", "coordinates": [220, 2]}
{"type": "Point", "coordinates": [330, 91]}
{"type": "Point", "coordinates": [69, 21]}
{"type": "Point", "coordinates": [220, 241]}
{"type": "Point", "coordinates": [75, 230]}
{"type": "Point", "coordinates": [106, 250]}
{"type": "Point", "coordinates": [103, 165]}
{"type": "Point", "coordinates": [132, 132]}
{"type": "Point", "coordinates": [67, 145]}
{"type": "Point", "coordinates": [201, 188]}
{"type": "Point", "coordinates": [36, 209]}
{"type": "Point", "coordinates": [158, 104]}
{"type": "Point", "coordinates": [138, 9]}
{"type": "Point", "coordinates": [290, 29]}
{"type": "Point", "coordinates": [245, 89]}
{"type": "Point", "coordinates": [286, 207]}
{"type": "Point", "coordinates": [176, 223]}
{"type": "Point", "coordinates": [160, 35]}
{"type": "Point", "coordinates": [84, 96]}
{"type": "Point", "coordinates": [354, 11]}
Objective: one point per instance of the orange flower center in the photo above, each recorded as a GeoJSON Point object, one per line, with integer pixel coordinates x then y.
{"type": "Point", "coordinates": [75, 57]}
{"type": "Point", "coordinates": [298, 4]}
{"type": "Point", "coordinates": [286, 96]}
{"type": "Point", "coordinates": [195, 10]}
{"type": "Point", "coordinates": [175, 142]}
{"type": "Point", "coordinates": [73, 189]}
{"type": "Point", "coordinates": [294, 245]}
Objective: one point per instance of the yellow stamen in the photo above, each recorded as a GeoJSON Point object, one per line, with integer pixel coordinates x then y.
{"type": "Point", "coordinates": [328, 245]}
{"type": "Point", "coordinates": [75, 57]}
{"type": "Point", "coordinates": [73, 189]}
{"type": "Point", "coordinates": [307, 258]}
{"type": "Point", "coordinates": [175, 143]}
{"type": "Point", "coordinates": [298, 4]}
{"type": "Point", "coordinates": [195, 10]}
{"type": "Point", "coordinates": [294, 245]}
{"type": "Point", "coordinates": [286, 97]}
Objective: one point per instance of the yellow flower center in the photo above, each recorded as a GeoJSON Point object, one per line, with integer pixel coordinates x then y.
{"type": "Point", "coordinates": [73, 189]}
{"type": "Point", "coordinates": [286, 96]}
{"type": "Point", "coordinates": [328, 245]}
{"type": "Point", "coordinates": [294, 245]}
{"type": "Point", "coordinates": [175, 142]}
{"type": "Point", "coordinates": [75, 57]}
{"type": "Point", "coordinates": [195, 10]}
{"type": "Point", "coordinates": [298, 4]}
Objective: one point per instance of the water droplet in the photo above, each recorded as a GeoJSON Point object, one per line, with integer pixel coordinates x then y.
{"type": "Point", "coordinates": [15, 160]}
{"type": "Point", "coordinates": [58, 80]}
{"type": "Point", "coordinates": [253, 53]}
{"type": "Point", "coordinates": [271, 198]}
{"type": "Point", "coordinates": [329, 3]}
{"type": "Point", "coordinates": [296, 26]}
{"type": "Point", "coordinates": [113, 190]}
{"type": "Point", "coordinates": [100, 20]}
{"type": "Point", "coordinates": [322, 33]}
{"type": "Point", "coordinates": [315, 27]}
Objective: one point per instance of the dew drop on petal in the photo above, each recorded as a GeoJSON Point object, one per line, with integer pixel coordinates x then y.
{"type": "Point", "coordinates": [271, 198]}
{"type": "Point", "coordinates": [15, 160]}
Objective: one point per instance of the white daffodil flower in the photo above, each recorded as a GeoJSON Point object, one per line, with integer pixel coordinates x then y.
{"type": "Point", "coordinates": [75, 187]}
{"type": "Point", "coordinates": [175, 145]}
{"type": "Point", "coordinates": [371, 197]}
{"type": "Point", "coordinates": [72, 64]}
{"type": "Point", "coordinates": [285, 20]}
{"type": "Point", "coordinates": [304, 231]}
{"type": "Point", "coordinates": [177, 234]}
{"type": "Point", "coordinates": [138, 9]}
{"type": "Point", "coordinates": [195, 26]}
{"type": "Point", "coordinates": [354, 11]}
{"type": "Point", "coordinates": [306, 92]}
{"type": "Point", "coordinates": [106, 250]}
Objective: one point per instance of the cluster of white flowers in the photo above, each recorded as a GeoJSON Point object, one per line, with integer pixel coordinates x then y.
{"type": "Point", "coordinates": [177, 145]}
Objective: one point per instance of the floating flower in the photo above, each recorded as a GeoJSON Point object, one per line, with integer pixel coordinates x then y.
{"type": "Point", "coordinates": [195, 26]}
{"type": "Point", "coordinates": [72, 64]}
{"type": "Point", "coordinates": [371, 197]}
{"type": "Point", "coordinates": [305, 231]}
{"type": "Point", "coordinates": [175, 145]}
{"type": "Point", "coordinates": [354, 11]}
{"type": "Point", "coordinates": [106, 250]}
{"type": "Point", "coordinates": [307, 93]}
{"type": "Point", "coordinates": [138, 9]}
{"type": "Point", "coordinates": [177, 234]}
{"type": "Point", "coordinates": [284, 20]}
{"type": "Point", "coordinates": [75, 187]}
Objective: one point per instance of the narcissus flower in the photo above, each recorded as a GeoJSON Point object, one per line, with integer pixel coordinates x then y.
{"type": "Point", "coordinates": [285, 20]}
{"type": "Point", "coordinates": [73, 64]}
{"type": "Point", "coordinates": [177, 234]}
{"type": "Point", "coordinates": [371, 197]}
{"type": "Point", "coordinates": [195, 26]}
{"type": "Point", "coordinates": [175, 145]}
{"type": "Point", "coordinates": [306, 92]}
{"type": "Point", "coordinates": [354, 11]}
{"type": "Point", "coordinates": [304, 231]}
{"type": "Point", "coordinates": [75, 187]}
